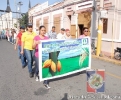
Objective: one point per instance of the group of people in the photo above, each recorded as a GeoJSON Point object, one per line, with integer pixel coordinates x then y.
{"type": "Point", "coordinates": [27, 45]}
{"type": "Point", "coordinates": [9, 34]}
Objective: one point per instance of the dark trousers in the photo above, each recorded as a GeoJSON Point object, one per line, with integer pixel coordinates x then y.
{"type": "Point", "coordinates": [37, 69]}
{"type": "Point", "coordinates": [36, 66]}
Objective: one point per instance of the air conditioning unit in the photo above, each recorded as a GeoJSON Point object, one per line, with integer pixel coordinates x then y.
{"type": "Point", "coordinates": [104, 14]}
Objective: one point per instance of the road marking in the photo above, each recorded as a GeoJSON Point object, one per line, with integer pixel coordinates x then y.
{"type": "Point", "coordinates": [113, 75]}
{"type": "Point", "coordinates": [116, 62]}
{"type": "Point", "coordinates": [118, 77]}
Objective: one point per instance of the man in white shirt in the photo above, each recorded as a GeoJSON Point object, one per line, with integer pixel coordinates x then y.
{"type": "Point", "coordinates": [62, 34]}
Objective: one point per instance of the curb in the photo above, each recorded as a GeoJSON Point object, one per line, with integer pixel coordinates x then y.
{"type": "Point", "coordinates": [117, 62]}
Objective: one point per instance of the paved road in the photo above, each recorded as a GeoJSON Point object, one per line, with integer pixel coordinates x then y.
{"type": "Point", "coordinates": [15, 83]}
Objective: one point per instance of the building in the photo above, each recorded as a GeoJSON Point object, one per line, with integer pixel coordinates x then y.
{"type": "Point", "coordinates": [7, 21]}
{"type": "Point", "coordinates": [66, 14]}
{"type": "Point", "coordinates": [111, 33]}
{"type": "Point", "coordinates": [76, 14]}
{"type": "Point", "coordinates": [36, 9]}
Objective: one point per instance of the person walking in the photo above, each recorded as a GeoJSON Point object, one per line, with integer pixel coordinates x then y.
{"type": "Point", "coordinates": [7, 34]}
{"type": "Point", "coordinates": [52, 34]}
{"type": "Point", "coordinates": [15, 36]}
{"type": "Point", "coordinates": [12, 38]}
{"type": "Point", "coordinates": [18, 45]}
{"type": "Point", "coordinates": [3, 34]}
{"type": "Point", "coordinates": [37, 39]}
{"type": "Point", "coordinates": [26, 47]}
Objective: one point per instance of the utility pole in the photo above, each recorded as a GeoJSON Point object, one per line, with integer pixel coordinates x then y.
{"type": "Point", "coordinates": [100, 30]}
{"type": "Point", "coordinates": [15, 7]}
{"type": "Point", "coordinates": [93, 21]}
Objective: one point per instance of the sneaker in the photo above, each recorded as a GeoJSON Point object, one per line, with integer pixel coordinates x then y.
{"type": "Point", "coordinates": [23, 67]}
{"type": "Point", "coordinates": [47, 86]}
{"type": "Point", "coordinates": [30, 75]}
{"type": "Point", "coordinates": [37, 78]}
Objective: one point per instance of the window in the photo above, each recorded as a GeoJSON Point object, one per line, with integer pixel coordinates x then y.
{"type": "Point", "coordinates": [105, 25]}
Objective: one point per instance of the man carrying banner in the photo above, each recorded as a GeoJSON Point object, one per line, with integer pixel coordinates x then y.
{"type": "Point", "coordinates": [41, 36]}
{"type": "Point", "coordinates": [84, 33]}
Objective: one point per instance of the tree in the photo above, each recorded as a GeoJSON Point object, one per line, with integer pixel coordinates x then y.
{"type": "Point", "coordinates": [24, 20]}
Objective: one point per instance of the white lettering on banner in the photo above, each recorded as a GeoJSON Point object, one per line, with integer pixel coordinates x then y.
{"type": "Point", "coordinates": [84, 41]}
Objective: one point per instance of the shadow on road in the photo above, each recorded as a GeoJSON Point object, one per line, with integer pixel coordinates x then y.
{"type": "Point", "coordinates": [41, 91]}
{"type": "Point", "coordinates": [69, 76]}
{"type": "Point", "coordinates": [65, 97]}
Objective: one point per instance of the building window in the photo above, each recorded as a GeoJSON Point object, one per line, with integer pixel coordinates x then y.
{"type": "Point", "coordinates": [105, 25]}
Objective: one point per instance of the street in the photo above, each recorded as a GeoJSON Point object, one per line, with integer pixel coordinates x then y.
{"type": "Point", "coordinates": [15, 83]}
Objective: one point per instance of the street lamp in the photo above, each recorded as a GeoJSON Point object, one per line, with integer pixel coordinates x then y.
{"type": "Point", "coordinates": [19, 7]}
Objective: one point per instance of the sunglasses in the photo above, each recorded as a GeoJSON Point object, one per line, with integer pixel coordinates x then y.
{"type": "Point", "coordinates": [29, 26]}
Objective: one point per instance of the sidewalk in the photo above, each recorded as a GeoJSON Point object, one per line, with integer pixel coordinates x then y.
{"type": "Point", "coordinates": [117, 62]}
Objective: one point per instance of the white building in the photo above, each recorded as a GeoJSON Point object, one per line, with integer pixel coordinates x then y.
{"type": "Point", "coordinates": [7, 21]}
{"type": "Point", "coordinates": [36, 9]}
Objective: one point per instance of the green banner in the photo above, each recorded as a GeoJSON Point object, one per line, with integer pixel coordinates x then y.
{"type": "Point", "coordinates": [58, 58]}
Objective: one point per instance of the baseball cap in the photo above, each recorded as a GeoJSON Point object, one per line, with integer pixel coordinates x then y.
{"type": "Point", "coordinates": [62, 29]}
{"type": "Point", "coordinates": [22, 27]}
{"type": "Point", "coordinates": [53, 26]}
{"type": "Point", "coordinates": [29, 24]}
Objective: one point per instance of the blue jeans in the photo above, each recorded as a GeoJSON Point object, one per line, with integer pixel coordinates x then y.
{"type": "Point", "coordinates": [19, 52]}
{"type": "Point", "coordinates": [36, 66]}
{"type": "Point", "coordinates": [14, 41]}
{"type": "Point", "coordinates": [22, 57]}
{"type": "Point", "coordinates": [46, 82]}
{"type": "Point", "coordinates": [2, 36]}
{"type": "Point", "coordinates": [30, 57]}
{"type": "Point", "coordinates": [11, 39]}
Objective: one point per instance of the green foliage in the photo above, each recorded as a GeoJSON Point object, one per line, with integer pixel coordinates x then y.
{"type": "Point", "coordinates": [24, 20]}
{"type": "Point", "coordinates": [15, 25]}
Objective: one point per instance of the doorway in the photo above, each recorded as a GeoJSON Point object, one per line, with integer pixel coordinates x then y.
{"type": "Point", "coordinates": [80, 29]}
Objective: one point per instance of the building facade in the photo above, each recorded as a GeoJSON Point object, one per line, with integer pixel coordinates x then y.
{"type": "Point", "coordinates": [76, 14]}
{"type": "Point", "coordinates": [7, 21]}
{"type": "Point", "coordinates": [111, 33]}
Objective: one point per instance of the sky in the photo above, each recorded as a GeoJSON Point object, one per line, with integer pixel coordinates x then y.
{"type": "Point", "coordinates": [24, 7]}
